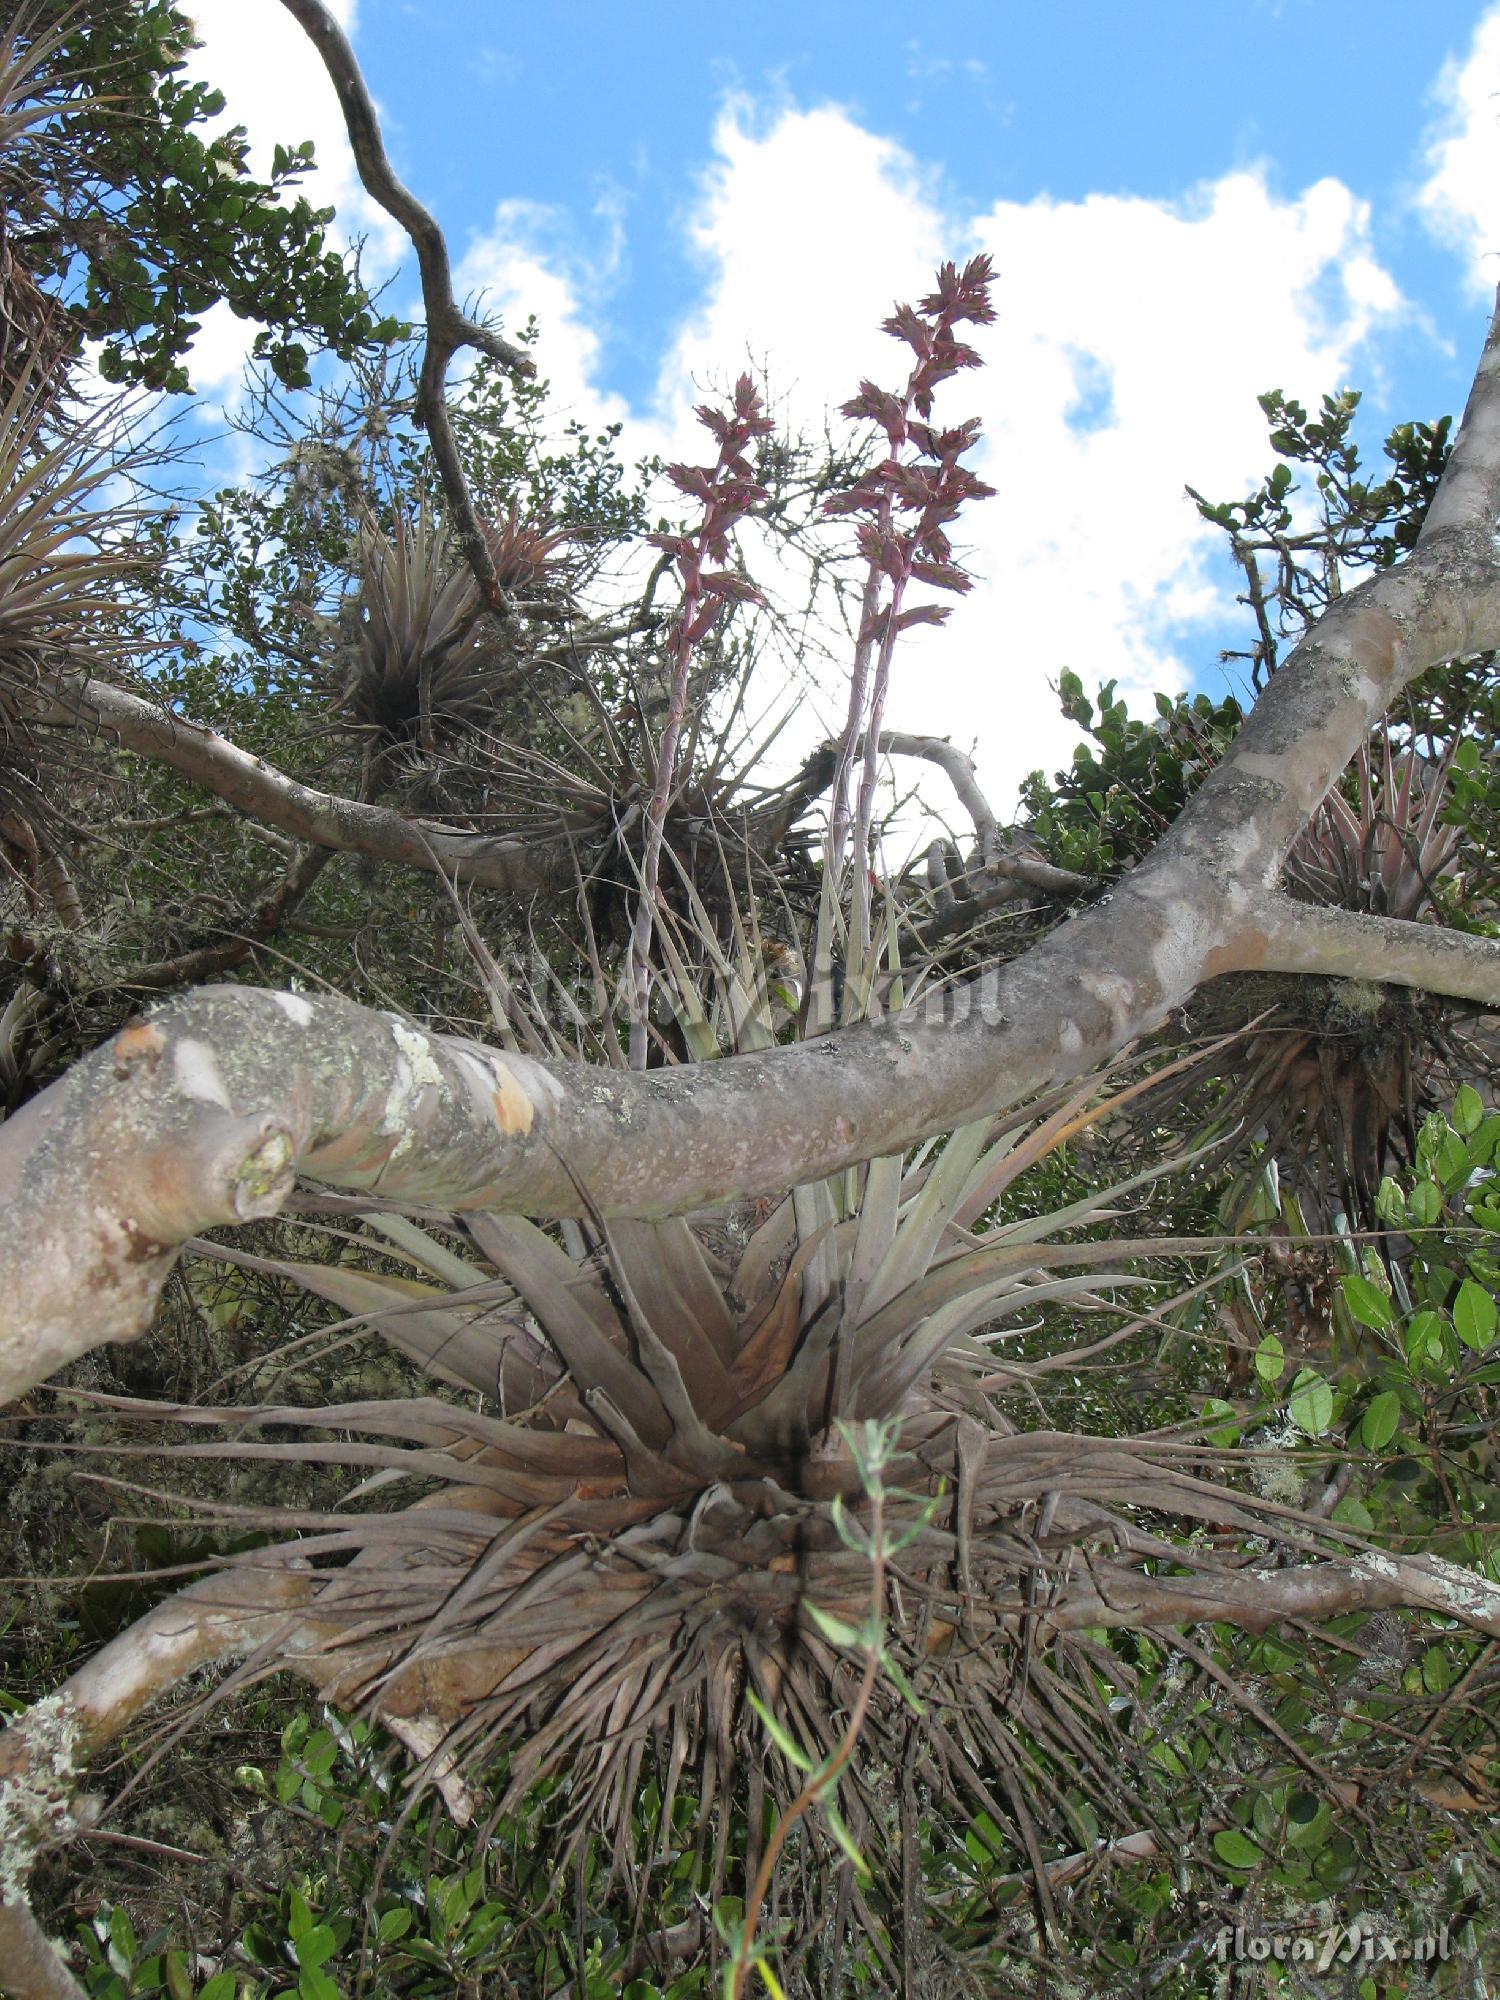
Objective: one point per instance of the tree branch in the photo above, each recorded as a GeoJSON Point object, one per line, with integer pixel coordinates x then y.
{"type": "Point", "coordinates": [1469, 494]}
{"type": "Point", "coordinates": [1011, 873]}
{"type": "Point", "coordinates": [1256, 1599]}
{"type": "Point", "coordinates": [323, 819]}
{"type": "Point", "coordinates": [228, 1094]}
{"type": "Point", "coordinates": [960, 773]}
{"type": "Point", "coordinates": [259, 927]}
{"type": "Point", "coordinates": [1341, 944]}
{"type": "Point", "coordinates": [447, 328]}
{"type": "Point", "coordinates": [33, 1969]}
{"type": "Point", "coordinates": [272, 1605]}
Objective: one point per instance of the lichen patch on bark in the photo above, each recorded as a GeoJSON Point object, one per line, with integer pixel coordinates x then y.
{"type": "Point", "coordinates": [196, 1069]}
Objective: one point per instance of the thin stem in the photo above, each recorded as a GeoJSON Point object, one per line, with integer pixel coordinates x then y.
{"type": "Point", "coordinates": [644, 924]}
{"type": "Point", "coordinates": [822, 1780]}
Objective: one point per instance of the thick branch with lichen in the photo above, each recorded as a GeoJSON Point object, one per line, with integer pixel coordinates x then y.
{"type": "Point", "coordinates": [230, 1094]}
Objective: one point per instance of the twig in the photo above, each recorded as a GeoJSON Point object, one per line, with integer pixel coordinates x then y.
{"type": "Point", "coordinates": [447, 328]}
{"type": "Point", "coordinates": [260, 926]}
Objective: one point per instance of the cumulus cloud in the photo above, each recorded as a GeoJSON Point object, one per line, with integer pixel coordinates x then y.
{"type": "Point", "coordinates": [1459, 200]}
{"type": "Point", "coordinates": [526, 265]}
{"type": "Point", "coordinates": [1134, 337]}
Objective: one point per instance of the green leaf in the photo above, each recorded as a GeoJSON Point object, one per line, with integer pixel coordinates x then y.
{"type": "Point", "coordinates": [1368, 1304]}
{"type": "Point", "coordinates": [1236, 1848]}
{"type": "Point", "coordinates": [1453, 1160]}
{"type": "Point", "coordinates": [1484, 1142]}
{"type": "Point", "coordinates": [1311, 1402]}
{"type": "Point", "coordinates": [1424, 1204]}
{"type": "Point", "coordinates": [845, 1839]}
{"type": "Point", "coordinates": [792, 1751]}
{"type": "Point", "coordinates": [223, 1986]}
{"type": "Point", "coordinates": [1424, 1338]}
{"type": "Point", "coordinates": [903, 1686]}
{"type": "Point", "coordinates": [1223, 1434]}
{"type": "Point", "coordinates": [1437, 1675]}
{"type": "Point", "coordinates": [1351, 1512]}
{"type": "Point", "coordinates": [836, 1630]}
{"type": "Point", "coordinates": [1474, 1315]}
{"type": "Point", "coordinates": [318, 1757]}
{"type": "Point", "coordinates": [314, 1946]}
{"type": "Point", "coordinates": [772, 1984]}
{"type": "Point", "coordinates": [1270, 1359]}
{"type": "Point", "coordinates": [121, 1936]}
{"type": "Point", "coordinates": [1381, 1417]}
{"type": "Point", "coordinates": [394, 1924]}
{"type": "Point", "coordinates": [850, 1533]}
{"type": "Point", "coordinates": [1390, 1204]}
{"type": "Point", "coordinates": [1468, 1111]}
{"type": "Point", "coordinates": [1309, 1822]}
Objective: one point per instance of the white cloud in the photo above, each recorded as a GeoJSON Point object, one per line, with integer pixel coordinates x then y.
{"type": "Point", "coordinates": [1134, 337]}
{"type": "Point", "coordinates": [1091, 550]}
{"type": "Point", "coordinates": [523, 267]}
{"type": "Point", "coordinates": [1460, 199]}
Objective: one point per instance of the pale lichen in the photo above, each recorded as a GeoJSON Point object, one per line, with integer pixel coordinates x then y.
{"type": "Point", "coordinates": [196, 1069]}
{"type": "Point", "coordinates": [36, 1802]}
{"type": "Point", "coordinates": [418, 1052]}
{"type": "Point", "coordinates": [1457, 1591]}
{"type": "Point", "coordinates": [417, 1069]}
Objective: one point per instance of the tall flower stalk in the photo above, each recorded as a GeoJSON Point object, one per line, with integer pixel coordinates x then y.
{"type": "Point", "coordinates": [906, 503]}
{"type": "Point", "coordinates": [728, 492]}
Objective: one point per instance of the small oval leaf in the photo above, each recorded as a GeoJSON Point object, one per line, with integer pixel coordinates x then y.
{"type": "Point", "coordinates": [1311, 1402]}
{"type": "Point", "coordinates": [1366, 1302]}
{"type": "Point", "coordinates": [1474, 1315]}
{"type": "Point", "coordinates": [1236, 1849]}
{"type": "Point", "coordinates": [1381, 1417]}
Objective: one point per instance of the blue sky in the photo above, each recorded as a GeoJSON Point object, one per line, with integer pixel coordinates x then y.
{"type": "Point", "coordinates": [1188, 203]}
{"type": "Point", "coordinates": [604, 111]}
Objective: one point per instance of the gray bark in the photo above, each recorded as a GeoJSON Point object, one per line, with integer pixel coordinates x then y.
{"type": "Point", "coordinates": [207, 1114]}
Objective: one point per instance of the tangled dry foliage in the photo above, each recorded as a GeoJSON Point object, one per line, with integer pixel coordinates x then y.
{"type": "Point", "coordinates": [631, 1440]}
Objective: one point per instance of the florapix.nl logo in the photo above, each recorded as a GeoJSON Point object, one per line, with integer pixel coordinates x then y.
{"type": "Point", "coordinates": [1332, 1947]}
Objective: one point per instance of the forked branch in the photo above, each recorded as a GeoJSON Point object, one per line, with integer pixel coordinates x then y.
{"type": "Point", "coordinates": [447, 328]}
{"type": "Point", "coordinates": [229, 1094]}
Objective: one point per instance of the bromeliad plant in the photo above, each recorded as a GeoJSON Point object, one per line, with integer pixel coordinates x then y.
{"type": "Point", "coordinates": [63, 570]}
{"type": "Point", "coordinates": [430, 665]}
{"type": "Point", "coordinates": [1342, 1073]}
{"type": "Point", "coordinates": [616, 1530]}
